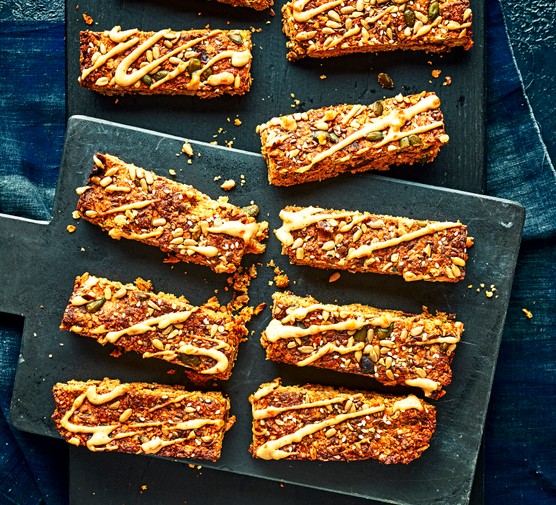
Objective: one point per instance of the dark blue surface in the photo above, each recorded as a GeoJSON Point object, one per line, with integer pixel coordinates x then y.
{"type": "Point", "coordinates": [520, 449]}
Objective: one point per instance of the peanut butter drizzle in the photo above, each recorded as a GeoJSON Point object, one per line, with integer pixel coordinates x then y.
{"type": "Point", "coordinates": [245, 231]}
{"type": "Point", "coordinates": [427, 385]}
{"type": "Point", "coordinates": [301, 16]}
{"type": "Point", "coordinates": [328, 348]}
{"type": "Point", "coordinates": [274, 411]}
{"type": "Point", "coordinates": [410, 402]}
{"type": "Point", "coordinates": [128, 206]}
{"type": "Point", "coordinates": [393, 121]}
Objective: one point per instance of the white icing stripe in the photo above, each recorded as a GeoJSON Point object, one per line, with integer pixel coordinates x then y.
{"type": "Point", "coordinates": [271, 449]}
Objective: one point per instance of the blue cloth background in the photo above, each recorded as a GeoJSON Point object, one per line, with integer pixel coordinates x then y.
{"type": "Point", "coordinates": [520, 455]}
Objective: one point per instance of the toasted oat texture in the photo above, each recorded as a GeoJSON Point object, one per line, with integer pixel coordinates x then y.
{"type": "Point", "coordinates": [320, 423]}
{"type": "Point", "coordinates": [205, 63]}
{"type": "Point", "coordinates": [323, 28]}
{"type": "Point", "coordinates": [323, 143]}
{"type": "Point", "coordinates": [258, 5]}
{"type": "Point", "coordinates": [391, 346]}
{"type": "Point", "coordinates": [133, 203]}
{"type": "Point", "coordinates": [204, 340]}
{"type": "Point", "coordinates": [364, 242]}
{"type": "Point", "coordinates": [141, 418]}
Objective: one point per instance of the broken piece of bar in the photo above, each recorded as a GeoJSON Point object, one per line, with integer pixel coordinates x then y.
{"type": "Point", "coordinates": [323, 143]}
{"type": "Point", "coordinates": [141, 418]}
{"type": "Point", "coordinates": [258, 5]}
{"type": "Point", "coordinates": [205, 63]}
{"type": "Point", "coordinates": [133, 203]}
{"type": "Point", "coordinates": [315, 422]}
{"type": "Point", "coordinates": [363, 242]}
{"type": "Point", "coordinates": [393, 347]}
{"type": "Point", "coordinates": [203, 340]}
{"type": "Point", "coordinates": [324, 28]}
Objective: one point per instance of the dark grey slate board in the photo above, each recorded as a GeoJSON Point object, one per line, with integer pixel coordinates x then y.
{"type": "Point", "coordinates": [50, 258]}
{"type": "Point", "coordinates": [351, 79]}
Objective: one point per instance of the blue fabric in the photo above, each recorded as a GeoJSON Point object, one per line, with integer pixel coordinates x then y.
{"type": "Point", "coordinates": [520, 456]}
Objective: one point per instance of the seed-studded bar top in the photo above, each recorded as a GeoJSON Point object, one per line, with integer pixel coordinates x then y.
{"type": "Point", "coordinates": [205, 63]}
{"type": "Point", "coordinates": [133, 203]}
{"type": "Point", "coordinates": [204, 340]}
{"type": "Point", "coordinates": [323, 143]}
{"type": "Point", "coordinates": [364, 242]}
{"type": "Point", "coordinates": [140, 418]}
{"type": "Point", "coordinates": [323, 28]}
{"type": "Point", "coordinates": [391, 346]}
{"type": "Point", "coordinates": [258, 5]}
{"type": "Point", "coordinates": [314, 422]}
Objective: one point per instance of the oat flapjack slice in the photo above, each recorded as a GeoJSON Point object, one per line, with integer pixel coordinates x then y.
{"type": "Point", "coordinates": [314, 422]}
{"type": "Point", "coordinates": [142, 418]}
{"type": "Point", "coordinates": [203, 340]}
{"type": "Point", "coordinates": [205, 63]}
{"type": "Point", "coordinates": [364, 242]}
{"type": "Point", "coordinates": [258, 5]}
{"type": "Point", "coordinates": [322, 143]}
{"type": "Point", "coordinates": [133, 203]}
{"type": "Point", "coordinates": [324, 28]}
{"type": "Point", "coordinates": [393, 347]}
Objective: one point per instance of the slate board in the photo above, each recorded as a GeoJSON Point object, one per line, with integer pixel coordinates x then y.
{"type": "Point", "coordinates": [50, 258]}
{"type": "Point", "coordinates": [350, 79]}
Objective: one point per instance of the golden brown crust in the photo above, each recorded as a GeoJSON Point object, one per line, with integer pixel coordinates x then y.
{"type": "Point", "coordinates": [362, 242]}
{"type": "Point", "coordinates": [130, 202]}
{"type": "Point", "coordinates": [393, 347]}
{"type": "Point", "coordinates": [323, 143]}
{"type": "Point", "coordinates": [204, 340]}
{"type": "Point", "coordinates": [141, 418]}
{"type": "Point", "coordinates": [258, 5]}
{"type": "Point", "coordinates": [205, 63]}
{"type": "Point", "coordinates": [320, 423]}
{"type": "Point", "coordinates": [323, 28]}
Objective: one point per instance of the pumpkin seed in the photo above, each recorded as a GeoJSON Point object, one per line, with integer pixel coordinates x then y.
{"type": "Point", "coordinates": [404, 142]}
{"type": "Point", "coordinates": [385, 81]}
{"type": "Point", "coordinates": [384, 333]}
{"type": "Point", "coordinates": [147, 80]}
{"type": "Point", "coordinates": [377, 108]}
{"type": "Point", "coordinates": [360, 335]}
{"type": "Point", "coordinates": [194, 65]}
{"type": "Point", "coordinates": [409, 17]}
{"type": "Point", "coordinates": [95, 305]}
{"type": "Point", "coordinates": [206, 74]}
{"type": "Point", "coordinates": [434, 11]}
{"type": "Point", "coordinates": [161, 74]}
{"type": "Point", "coordinates": [189, 360]}
{"type": "Point", "coordinates": [251, 210]}
{"type": "Point", "coordinates": [321, 137]}
{"type": "Point", "coordinates": [414, 140]}
{"type": "Point", "coordinates": [236, 38]}
{"type": "Point", "coordinates": [334, 138]}
{"type": "Point", "coordinates": [373, 136]}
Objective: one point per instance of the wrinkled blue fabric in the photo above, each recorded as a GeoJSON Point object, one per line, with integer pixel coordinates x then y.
{"type": "Point", "coordinates": [520, 461]}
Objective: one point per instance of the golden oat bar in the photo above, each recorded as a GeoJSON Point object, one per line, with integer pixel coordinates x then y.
{"type": "Point", "coordinates": [393, 347]}
{"type": "Point", "coordinates": [141, 418]}
{"type": "Point", "coordinates": [133, 203]}
{"type": "Point", "coordinates": [315, 422]}
{"type": "Point", "coordinates": [258, 5]}
{"type": "Point", "coordinates": [323, 28]}
{"type": "Point", "coordinates": [363, 242]}
{"type": "Point", "coordinates": [204, 63]}
{"type": "Point", "coordinates": [323, 143]}
{"type": "Point", "coordinates": [203, 340]}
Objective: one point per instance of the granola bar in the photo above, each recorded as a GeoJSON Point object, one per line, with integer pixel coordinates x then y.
{"type": "Point", "coordinates": [315, 422]}
{"type": "Point", "coordinates": [258, 5]}
{"type": "Point", "coordinates": [323, 28]}
{"type": "Point", "coordinates": [141, 418]}
{"type": "Point", "coordinates": [203, 340]}
{"type": "Point", "coordinates": [391, 346]}
{"type": "Point", "coordinates": [363, 242]}
{"type": "Point", "coordinates": [133, 203]}
{"type": "Point", "coordinates": [205, 63]}
{"type": "Point", "coordinates": [323, 143]}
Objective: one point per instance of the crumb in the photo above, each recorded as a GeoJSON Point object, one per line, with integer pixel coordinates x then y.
{"type": "Point", "coordinates": [172, 371]}
{"type": "Point", "coordinates": [172, 171]}
{"type": "Point", "coordinates": [228, 185]}
{"type": "Point", "coordinates": [334, 277]}
{"type": "Point", "coordinates": [82, 249]}
{"type": "Point", "coordinates": [482, 284]}
{"type": "Point", "coordinates": [447, 81]}
{"type": "Point", "coordinates": [190, 162]}
{"type": "Point", "coordinates": [143, 284]}
{"type": "Point", "coordinates": [259, 308]}
{"type": "Point", "coordinates": [470, 286]}
{"type": "Point", "coordinates": [217, 177]}
{"type": "Point", "coordinates": [187, 149]}
{"type": "Point", "coordinates": [528, 313]}
{"type": "Point", "coordinates": [70, 228]}
{"type": "Point", "coordinates": [271, 264]}
{"type": "Point", "coordinates": [116, 353]}
{"type": "Point", "coordinates": [489, 294]}
{"type": "Point", "coordinates": [191, 465]}
{"type": "Point", "coordinates": [75, 215]}
{"type": "Point", "coordinates": [385, 81]}
{"type": "Point", "coordinates": [281, 279]}
{"type": "Point", "coordinates": [143, 487]}
{"type": "Point", "coordinates": [88, 19]}
{"type": "Point", "coordinates": [237, 121]}
{"type": "Point", "coordinates": [50, 356]}
{"type": "Point", "coordinates": [323, 76]}
{"type": "Point", "coordinates": [435, 73]}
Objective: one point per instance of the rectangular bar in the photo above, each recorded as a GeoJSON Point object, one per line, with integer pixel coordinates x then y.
{"type": "Point", "coordinates": [203, 340]}
{"type": "Point", "coordinates": [315, 422]}
{"type": "Point", "coordinates": [362, 242]}
{"type": "Point", "coordinates": [323, 143]}
{"type": "Point", "coordinates": [141, 418]}
{"type": "Point", "coordinates": [133, 203]}
{"type": "Point", "coordinates": [391, 346]}
{"type": "Point", "coordinates": [205, 63]}
{"type": "Point", "coordinates": [258, 5]}
{"type": "Point", "coordinates": [323, 28]}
